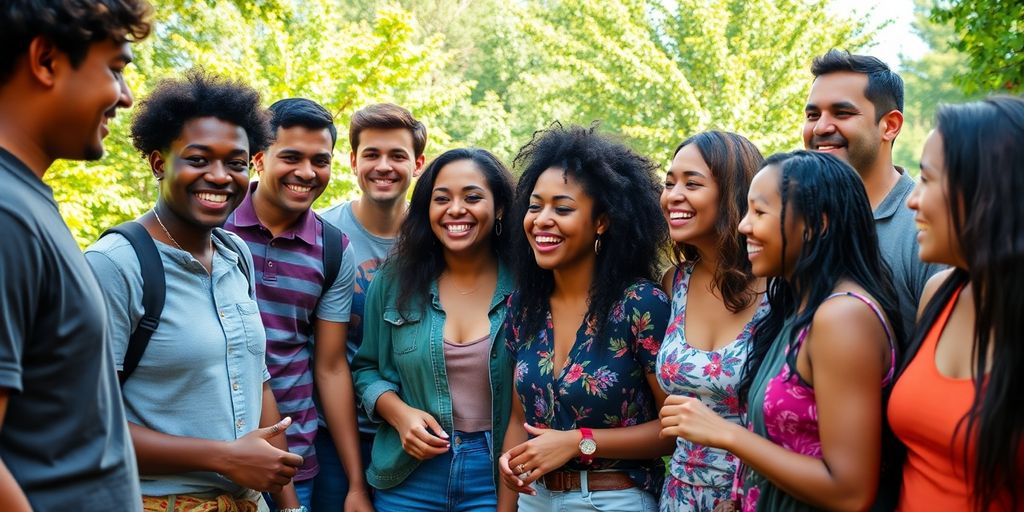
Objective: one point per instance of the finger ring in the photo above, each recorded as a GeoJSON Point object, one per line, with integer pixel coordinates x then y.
{"type": "Point", "coordinates": [520, 468]}
{"type": "Point", "coordinates": [524, 475]}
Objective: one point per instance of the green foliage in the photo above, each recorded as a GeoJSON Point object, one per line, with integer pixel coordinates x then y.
{"type": "Point", "coordinates": [991, 34]}
{"type": "Point", "coordinates": [482, 72]}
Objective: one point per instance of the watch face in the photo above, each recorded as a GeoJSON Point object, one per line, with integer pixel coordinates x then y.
{"type": "Point", "coordinates": [588, 447]}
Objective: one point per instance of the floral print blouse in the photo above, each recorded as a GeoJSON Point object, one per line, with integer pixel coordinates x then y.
{"type": "Point", "coordinates": [604, 381]}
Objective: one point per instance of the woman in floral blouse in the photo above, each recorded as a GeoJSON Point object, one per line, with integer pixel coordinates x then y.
{"type": "Point", "coordinates": [715, 303]}
{"type": "Point", "coordinates": [585, 327]}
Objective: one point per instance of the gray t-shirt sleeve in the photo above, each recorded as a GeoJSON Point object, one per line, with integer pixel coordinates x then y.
{"type": "Point", "coordinates": [21, 274]}
{"type": "Point", "coordinates": [336, 303]}
{"type": "Point", "coordinates": [122, 291]}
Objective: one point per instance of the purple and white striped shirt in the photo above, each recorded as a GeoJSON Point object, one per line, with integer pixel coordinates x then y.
{"type": "Point", "coordinates": [290, 293]}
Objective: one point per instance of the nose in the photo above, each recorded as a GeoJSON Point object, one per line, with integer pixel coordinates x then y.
{"type": "Point", "coordinates": [304, 171]}
{"type": "Point", "coordinates": [125, 99]}
{"type": "Point", "coordinates": [217, 173]}
{"type": "Point", "coordinates": [543, 218]}
{"type": "Point", "coordinates": [914, 200]}
{"type": "Point", "coordinates": [744, 226]}
{"type": "Point", "coordinates": [824, 125]}
{"type": "Point", "coordinates": [456, 208]}
{"type": "Point", "coordinates": [383, 164]}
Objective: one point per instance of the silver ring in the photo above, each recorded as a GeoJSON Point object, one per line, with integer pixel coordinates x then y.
{"type": "Point", "coordinates": [524, 475]}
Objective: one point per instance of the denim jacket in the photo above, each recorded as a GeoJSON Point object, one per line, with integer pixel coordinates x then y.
{"type": "Point", "coordinates": [403, 352]}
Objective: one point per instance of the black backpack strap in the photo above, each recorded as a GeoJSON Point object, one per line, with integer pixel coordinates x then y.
{"type": "Point", "coordinates": [334, 248]}
{"type": "Point", "coordinates": [244, 262]}
{"type": "Point", "coordinates": [154, 289]}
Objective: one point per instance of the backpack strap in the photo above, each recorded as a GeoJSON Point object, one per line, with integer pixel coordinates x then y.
{"type": "Point", "coordinates": [154, 289]}
{"type": "Point", "coordinates": [335, 243]}
{"type": "Point", "coordinates": [244, 263]}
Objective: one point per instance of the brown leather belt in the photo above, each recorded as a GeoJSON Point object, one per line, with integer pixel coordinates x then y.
{"type": "Point", "coordinates": [596, 481]}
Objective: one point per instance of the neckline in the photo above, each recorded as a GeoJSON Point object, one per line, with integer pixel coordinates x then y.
{"type": "Point", "coordinates": [468, 343]}
{"type": "Point", "coordinates": [933, 345]}
{"type": "Point", "coordinates": [685, 281]}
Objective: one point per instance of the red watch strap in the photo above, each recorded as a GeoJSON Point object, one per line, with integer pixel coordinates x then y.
{"type": "Point", "coordinates": [586, 433]}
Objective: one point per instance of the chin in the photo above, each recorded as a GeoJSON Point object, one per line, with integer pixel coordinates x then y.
{"type": "Point", "coordinates": [93, 152]}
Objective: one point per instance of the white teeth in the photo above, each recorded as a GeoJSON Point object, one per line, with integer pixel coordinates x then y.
{"type": "Point", "coordinates": [458, 228]}
{"type": "Point", "coordinates": [211, 197]}
{"type": "Point", "coordinates": [753, 248]}
{"type": "Point", "coordinates": [827, 148]}
{"type": "Point", "coordinates": [298, 188]}
{"type": "Point", "coordinates": [681, 215]}
{"type": "Point", "coordinates": [548, 240]}
{"type": "Point", "coordinates": [383, 181]}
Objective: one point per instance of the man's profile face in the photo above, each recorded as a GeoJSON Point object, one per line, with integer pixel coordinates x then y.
{"type": "Point", "coordinates": [88, 97]}
{"type": "Point", "coordinates": [840, 120]}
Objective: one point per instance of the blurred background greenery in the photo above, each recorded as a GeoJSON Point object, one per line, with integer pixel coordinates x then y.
{"type": "Point", "coordinates": [489, 73]}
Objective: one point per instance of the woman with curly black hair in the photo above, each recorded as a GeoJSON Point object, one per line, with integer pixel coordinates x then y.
{"type": "Point", "coordinates": [197, 395]}
{"type": "Point", "coordinates": [956, 404]}
{"type": "Point", "coordinates": [585, 327]}
{"type": "Point", "coordinates": [822, 358]}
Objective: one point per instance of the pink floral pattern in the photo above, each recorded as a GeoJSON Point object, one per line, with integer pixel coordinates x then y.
{"type": "Point", "coordinates": [698, 476]}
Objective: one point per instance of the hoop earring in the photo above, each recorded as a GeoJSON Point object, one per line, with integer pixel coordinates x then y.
{"type": "Point", "coordinates": [597, 245]}
{"type": "Point", "coordinates": [497, 227]}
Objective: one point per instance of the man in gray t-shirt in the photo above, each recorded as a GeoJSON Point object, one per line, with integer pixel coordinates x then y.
{"type": "Point", "coordinates": [855, 111]}
{"type": "Point", "coordinates": [64, 443]}
{"type": "Point", "coordinates": [387, 152]}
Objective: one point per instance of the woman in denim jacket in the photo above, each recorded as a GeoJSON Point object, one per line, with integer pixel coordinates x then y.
{"type": "Point", "coordinates": [429, 367]}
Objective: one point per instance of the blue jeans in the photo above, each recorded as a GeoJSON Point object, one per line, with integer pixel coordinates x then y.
{"type": "Point", "coordinates": [330, 484]}
{"type": "Point", "coordinates": [461, 480]}
{"type": "Point", "coordinates": [304, 490]}
{"type": "Point", "coordinates": [585, 500]}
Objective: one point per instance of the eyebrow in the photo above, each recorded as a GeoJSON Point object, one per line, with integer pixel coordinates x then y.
{"type": "Point", "coordinates": [560, 197]}
{"type": "Point", "coordinates": [839, 105]}
{"type": "Point", "coordinates": [295, 152]}
{"type": "Point", "coordinates": [208, 149]}
{"type": "Point", "coordinates": [464, 189]}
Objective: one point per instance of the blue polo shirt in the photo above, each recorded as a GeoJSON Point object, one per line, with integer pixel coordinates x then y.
{"type": "Point", "coordinates": [203, 371]}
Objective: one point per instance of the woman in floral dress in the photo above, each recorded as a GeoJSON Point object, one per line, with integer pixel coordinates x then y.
{"type": "Point", "coordinates": [822, 358]}
{"type": "Point", "coordinates": [584, 328]}
{"type": "Point", "coordinates": [702, 356]}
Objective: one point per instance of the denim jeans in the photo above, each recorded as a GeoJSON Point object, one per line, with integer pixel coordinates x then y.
{"type": "Point", "coordinates": [331, 485]}
{"type": "Point", "coordinates": [461, 480]}
{"type": "Point", "coordinates": [585, 500]}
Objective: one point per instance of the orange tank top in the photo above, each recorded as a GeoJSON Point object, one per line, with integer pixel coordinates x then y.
{"type": "Point", "coordinates": [924, 410]}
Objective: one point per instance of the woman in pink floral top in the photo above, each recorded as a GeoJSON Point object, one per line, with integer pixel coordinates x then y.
{"type": "Point", "coordinates": [821, 360]}
{"type": "Point", "coordinates": [703, 353]}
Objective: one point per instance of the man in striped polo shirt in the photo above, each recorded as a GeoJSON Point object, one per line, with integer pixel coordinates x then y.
{"type": "Point", "coordinates": [296, 303]}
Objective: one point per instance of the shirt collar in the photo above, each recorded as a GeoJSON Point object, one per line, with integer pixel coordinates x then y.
{"type": "Point", "coordinates": [896, 198]}
{"type": "Point", "coordinates": [303, 229]}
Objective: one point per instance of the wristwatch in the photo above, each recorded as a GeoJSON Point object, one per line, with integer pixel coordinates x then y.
{"type": "Point", "coordinates": [587, 446]}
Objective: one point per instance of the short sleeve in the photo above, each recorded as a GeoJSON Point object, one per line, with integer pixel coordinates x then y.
{"type": "Point", "coordinates": [21, 277]}
{"type": "Point", "coordinates": [336, 303]}
{"type": "Point", "coordinates": [123, 300]}
{"type": "Point", "coordinates": [647, 309]}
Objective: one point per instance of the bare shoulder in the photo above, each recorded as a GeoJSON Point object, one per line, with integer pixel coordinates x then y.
{"type": "Point", "coordinates": [932, 286]}
{"type": "Point", "coordinates": [845, 328]}
{"type": "Point", "coordinates": [666, 280]}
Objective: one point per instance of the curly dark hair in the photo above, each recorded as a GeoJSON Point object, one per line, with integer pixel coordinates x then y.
{"type": "Point", "coordinates": [418, 259]}
{"type": "Point", "coordinates": [72, 25]}
{"type": "Point", "coordinates": [624, 188]}
{"type": "Point", "coordinates": [161, 117]}
{"type": "Point", "coordinates": [733, 161]}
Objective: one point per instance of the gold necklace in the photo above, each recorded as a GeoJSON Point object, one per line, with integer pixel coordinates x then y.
{"type": "Point", "coordinates": [451, 282]}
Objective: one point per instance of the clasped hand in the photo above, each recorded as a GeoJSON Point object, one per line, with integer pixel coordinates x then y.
{"type": "Point", "coordinates": [547, 451]}
{"type": "Point", "coordinates": [254, 463]}
{"type": "Point", "coordinates": [689, 418]}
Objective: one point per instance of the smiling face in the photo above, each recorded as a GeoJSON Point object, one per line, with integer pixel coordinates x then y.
{"type": "Point", "coordinates": [763, 227]}
{"type": "Point", "coordinates": [295, 169]}
{"type": "Point", "coordinates": [89, 97]}
{"type": "Point", "coordinates": [385, 163]}
{"type": "Point", "coordinates": [840, 120]}
{"type": "Point", "coordinates": [205, 172]}
{"type": "Point", "coordinates": [559, 222]}
{"type": "Point", "coordinates": [690, 198]}
{"type": "Point", "coordinates": [931, 206]}
{"type": "Point", "coordinates": [462, 208]}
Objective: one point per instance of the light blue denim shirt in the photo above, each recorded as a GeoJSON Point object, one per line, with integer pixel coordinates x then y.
{"type": "Point", "coordinates": [203, 371]}
{"type": "Point", "coordinates": [403, 352]}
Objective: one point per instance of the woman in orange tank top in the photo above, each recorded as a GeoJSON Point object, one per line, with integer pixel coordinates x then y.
{"type": "Point", "coordinates": [956, 403]}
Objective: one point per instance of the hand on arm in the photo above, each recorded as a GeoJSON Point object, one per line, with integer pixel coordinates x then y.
{"type": "Point", "coordinates": [514, 436]}
{"type": "Point", "coordinates": [337, 396]}
{"type": "Point", "coordinates": [11, 496]}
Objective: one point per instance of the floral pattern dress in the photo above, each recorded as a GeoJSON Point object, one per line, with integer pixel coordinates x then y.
{"type": "Point", "coordinates": [604, 381]}
{"type": "Point", "coordinates": [700, 476]}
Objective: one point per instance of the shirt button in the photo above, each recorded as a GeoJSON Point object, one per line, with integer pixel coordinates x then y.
{"type": "Point", "coordinates": [270, 263]}
{"type": "Point", "coordinates": [234, 386]}
{"type": "Point", "coordinates": [458, 440]}
{"type": "Point", "coordinates": [240, 424]}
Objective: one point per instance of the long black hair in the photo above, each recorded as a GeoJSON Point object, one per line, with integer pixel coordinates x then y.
{"type": "Point", "coordinates": [418, 258]}
{"type": "Point", "coordinates": [984, 160]}
{"type": "Point", "coordinates": [733, 161]}
{"type": "Point", "coordinates": [624, 189]}
{"type": "Point", "coordinates": [839, 243]}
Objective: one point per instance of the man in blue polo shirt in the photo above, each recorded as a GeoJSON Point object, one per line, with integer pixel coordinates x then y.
{"type": "Point", "coordinates": [287, 240]}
